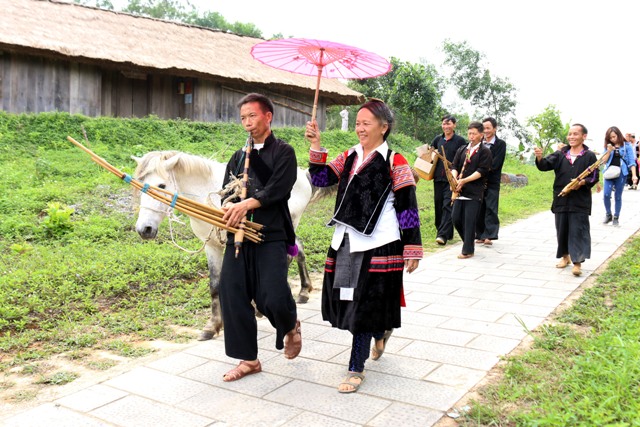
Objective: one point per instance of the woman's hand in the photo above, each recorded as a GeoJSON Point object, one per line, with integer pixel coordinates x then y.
{"type": "Point", "coordinates": [312, 133]}
{"type": "Point", "coordinates": [411, 264]}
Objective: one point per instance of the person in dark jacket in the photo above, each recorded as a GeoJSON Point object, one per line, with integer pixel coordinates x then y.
{"type": "Point", "coordinates": [488, 223]}
{"type": "Point", "coordinates": [376, 237]}
{"type": "Point", "coordinates": [470, 167]}
{"type": "Point", "coordinates": [572, 210]}
{"type": "Point", "coordinates": [259, 271]}
{"type": "Point", "coordinates": [450, 142]}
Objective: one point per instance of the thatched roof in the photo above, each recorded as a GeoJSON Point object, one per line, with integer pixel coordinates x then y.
{"type": "Point", "coordinates": [90, 35]}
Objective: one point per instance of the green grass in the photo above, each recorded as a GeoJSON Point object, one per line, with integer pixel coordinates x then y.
{"type": "Point", "coordinates": [584, 370]}
{"type": "Point", "coordinates": [74, 275]}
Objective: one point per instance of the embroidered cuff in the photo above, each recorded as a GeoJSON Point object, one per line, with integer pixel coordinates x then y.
{"type": "Point", "coordinates": [412, 252]}
{"type": "Point", "coordinates": [318, 157]}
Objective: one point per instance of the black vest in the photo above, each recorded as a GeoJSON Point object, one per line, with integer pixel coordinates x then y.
{"type": "Point", "coordinates": [360, 200]}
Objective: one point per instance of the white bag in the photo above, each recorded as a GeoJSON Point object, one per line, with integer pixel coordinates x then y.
{"type": "Point", "coordinates": [612, 172]}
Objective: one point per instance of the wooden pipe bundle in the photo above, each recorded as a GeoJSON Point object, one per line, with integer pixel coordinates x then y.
{"type": "Point", "coordinates": [453, 183]}
{"type": "Point", "coordinates": [192, 208]}
{"type": "Point", "coordinates": [575, 182]}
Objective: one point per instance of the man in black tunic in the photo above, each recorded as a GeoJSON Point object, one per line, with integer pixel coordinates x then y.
{"type": "Point", "coordinates": [450, 142]}
{"type": "Point", "coordinates": [488, 223]}
{"type": "Point", "coordinates": [470, 167]}
{"type": "Point", "coordinates": [573, 209]}
{"type": "Point", "coordinates": [259, 272]}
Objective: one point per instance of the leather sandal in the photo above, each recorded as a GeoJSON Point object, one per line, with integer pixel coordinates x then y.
{"type": "Point", "coordinates": [563, 263]}
{"type": "Point", "coordinates": [354, 385]}
{"type": "Point", "coordinates": [292, 346]}
{"type": "Point", "coordinates": [237, 373]}
{"type": "Point", "coordinates": [488, 242]}
{"type": "Point", "coordinates": [376, 353]}
{"type": "Point", "coordinates": [464, 256]}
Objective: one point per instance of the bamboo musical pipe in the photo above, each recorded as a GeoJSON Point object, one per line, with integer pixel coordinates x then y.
{"type": "Point", "coordinates": [238, 237]}
{"type": "Point", "coordinates": [453, 183]}
{"type": "Point", "coordinates": [190, 207]}
{"type": "Point", "coordinates": [575, 182]}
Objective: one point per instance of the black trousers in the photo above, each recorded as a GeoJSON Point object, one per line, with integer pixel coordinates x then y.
{"type": "Point", "coordinates": [259, 274]}
{"type": "Point", "coordinates": [574, 237]}
{"type": "Point", "coordinates": [465, 215]}
{"type": "Point", "coordinates": [488, 222]}
{"type": "Point", "coordinates": [442, 208]}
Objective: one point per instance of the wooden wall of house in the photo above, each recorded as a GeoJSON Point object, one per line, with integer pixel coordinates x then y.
{"type": "Point", "coordinates": [30, 84]}
{"type": "Point", "coordinates": [122, 96]}
{"type": "Point", "coordinates": [289, 110]}
{"type": "Point", "coordinates": [34, 85]}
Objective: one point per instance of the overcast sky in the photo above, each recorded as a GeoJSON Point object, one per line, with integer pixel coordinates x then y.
{"type": "Point", "coordinates": [581, 56]}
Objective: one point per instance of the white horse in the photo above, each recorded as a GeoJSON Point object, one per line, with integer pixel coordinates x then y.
{"type": "Point", "coordinates": [201, 179]}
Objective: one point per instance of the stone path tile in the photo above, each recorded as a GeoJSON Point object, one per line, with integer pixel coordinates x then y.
{"type": "Point", "coordinates": [136, 411]}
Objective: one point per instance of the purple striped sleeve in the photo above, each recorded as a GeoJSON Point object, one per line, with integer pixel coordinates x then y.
{"type": "Point", "coordinates": [320, 179]}
{"type": "Point", "coordinates": [408, 219]}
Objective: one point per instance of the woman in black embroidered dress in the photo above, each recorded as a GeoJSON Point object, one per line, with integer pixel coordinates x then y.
{"type": "Point", "coordinates": [377, 235]}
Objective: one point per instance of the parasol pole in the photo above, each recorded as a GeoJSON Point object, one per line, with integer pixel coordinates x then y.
{"type": "Point", "coordinates": [315, 98]}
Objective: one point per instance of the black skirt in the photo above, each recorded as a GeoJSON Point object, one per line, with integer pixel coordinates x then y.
{"type": "Point", "coordinates": [377, 296]}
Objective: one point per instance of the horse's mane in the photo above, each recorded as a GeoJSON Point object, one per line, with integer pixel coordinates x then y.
{"type": "Point", "coordinates": [190, 164]}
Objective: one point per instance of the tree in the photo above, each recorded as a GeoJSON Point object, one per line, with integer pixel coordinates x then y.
{"type": "Point", "coordinates": [491, 96]}
{"type": "Point", "coordinates": [217, 21]}
{"type": "Point", "coordinates": [171, 10]}
{"type": "Point", "coordinates": [417, 96]}
{"type": "Point", "coordinates": [174, 10]}
{"type": "Point", "coordinates": [102, 4]}
{"type": "Point", "coordinates": [549, 129]}
{"type": "Point", "coordinates": [379, 87]}
{"type": "Point", "coordinates": [413, 92]}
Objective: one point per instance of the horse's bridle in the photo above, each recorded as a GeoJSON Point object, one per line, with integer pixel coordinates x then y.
{"type": "Point", "coordinates": [168, 212]}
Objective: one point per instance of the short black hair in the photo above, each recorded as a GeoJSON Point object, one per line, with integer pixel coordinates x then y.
{"type": "Point", "coordinates": [449, 118]}
{"type": "Point", "coordinates": [584, 129]}
{"type": "Point", "coordinates": [490, 120]}
{"type": "Point", "coordinates": [265, 103]}
{"type": "Point", "coordinates": [477, 126]}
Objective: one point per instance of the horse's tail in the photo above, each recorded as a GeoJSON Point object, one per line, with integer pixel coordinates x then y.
{"type": "Point", "coordinates": [318, 193]}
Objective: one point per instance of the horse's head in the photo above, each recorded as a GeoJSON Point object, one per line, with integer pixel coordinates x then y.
{"type": "Point", "coordinates": [189, 175]}
{"type": "Point", "coordinates": [154, 168]}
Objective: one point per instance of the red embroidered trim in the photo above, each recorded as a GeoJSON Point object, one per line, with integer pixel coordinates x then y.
{"type": "Point", "coordinates": [318, 157]}
{"type": "Point", "coordinates": [402, 177]}
{"type": "Point", "coordinates": [412, 252]}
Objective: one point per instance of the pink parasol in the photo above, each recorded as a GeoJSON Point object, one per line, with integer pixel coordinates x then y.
{"type": "Point", "coordinates": [321, 58]}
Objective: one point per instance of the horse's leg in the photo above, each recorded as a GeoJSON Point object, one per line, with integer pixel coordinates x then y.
{"type": "Point", "coordinates": [305, 280]}
{"type": "Point", "coordinates": [214, 262]}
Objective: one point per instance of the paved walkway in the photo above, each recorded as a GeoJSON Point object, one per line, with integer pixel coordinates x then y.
{"type": "Point", "coordinates": [462, 316]}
